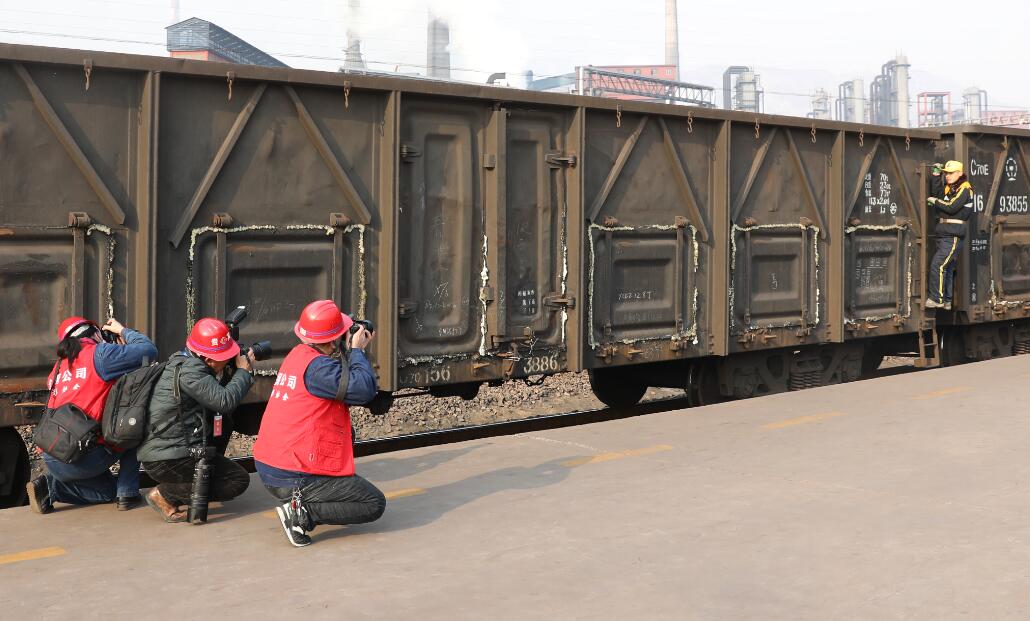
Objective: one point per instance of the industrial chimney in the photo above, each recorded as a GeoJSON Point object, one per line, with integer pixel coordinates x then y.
{"type": "Point", "coordinates": [353, 60]}
{"type": "Point", "coordinates": [672, 41]}
{"type": "Point", "coordinates": [901, 89]}
{"type": "Point", "coordinates": [438, 59]}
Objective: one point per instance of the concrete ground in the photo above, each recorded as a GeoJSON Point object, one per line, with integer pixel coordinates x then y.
{"type": "Point", "coordinates": [900, 497]}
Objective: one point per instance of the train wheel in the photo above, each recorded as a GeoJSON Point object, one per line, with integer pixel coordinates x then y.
{"type": "Point", "coordinates": [952, 349]}
{"type": "Point", "coordinates": [616, 388]}
{"type": "Point", "coordinates": [14, 469]}
{"type": "Point", "coordinates": [702, 384]}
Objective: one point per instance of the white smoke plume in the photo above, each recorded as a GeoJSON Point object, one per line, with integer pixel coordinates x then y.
{"type": "Point", "coordinates": [393, 35]}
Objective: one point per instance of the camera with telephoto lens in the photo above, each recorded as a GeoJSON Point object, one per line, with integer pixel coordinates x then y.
{"type": "Point", "coordinates": [262, 350]}
{"type": "Point", "coordinates": [200, 492]}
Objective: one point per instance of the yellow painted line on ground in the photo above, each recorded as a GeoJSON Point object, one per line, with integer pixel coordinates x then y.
{"type": "Point", "coordinates": [596, 459]}
{"type": "Point", "coordinates": [394, 495]}
{"type": "Point", "coordinates": [404, 493]}
{"type": "Point", "coordinates": [30, 555]}
{"type": "Point", "coordinates": [802, 420]}
{"type": "Point", "coordinates": [941, 393]}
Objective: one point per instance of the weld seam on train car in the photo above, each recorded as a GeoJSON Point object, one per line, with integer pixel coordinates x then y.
{"type": "Point", "coordinates": [908, 273]}
{"type": "Point", "coordinates": [111, 243]}
{"type": "Point", "coordinates": [733, 269]}
{"type": "Point", "coordinates": [191, 293]}
{"type": "Point", "coordinates": [690, 334]}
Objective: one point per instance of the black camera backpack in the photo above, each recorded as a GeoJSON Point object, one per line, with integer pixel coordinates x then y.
{"type": "Point", "coordinates": [124, 423]}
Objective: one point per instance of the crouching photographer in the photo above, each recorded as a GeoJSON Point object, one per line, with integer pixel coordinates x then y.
{"type": "Point", "coordinates": [188, 390]}
{"type": "Point", "coordinates": [305, 452]}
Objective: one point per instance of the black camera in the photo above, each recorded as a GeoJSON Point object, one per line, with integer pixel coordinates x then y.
{"type": "Point", "coordinates": [361, 323]}
{"type": "Point", "coordinates": [262, 350]}
{"type": "Point", "coordinates": [108, 336]}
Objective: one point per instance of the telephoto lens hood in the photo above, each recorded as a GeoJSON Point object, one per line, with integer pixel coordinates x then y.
{"type": "Point", "coordinates": [262, 350]}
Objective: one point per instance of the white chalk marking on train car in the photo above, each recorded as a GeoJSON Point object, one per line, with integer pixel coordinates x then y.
{"type": "Point", "coordinates": [596, 459]}
{"type": "Point", "coordinates": [941, 393]}
{"type": "Point", "coordinates": [801, 420]}
{"type": "Point", "coordinates": [30, 555]}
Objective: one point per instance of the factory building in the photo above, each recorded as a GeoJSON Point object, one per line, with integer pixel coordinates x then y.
{"type": "Point", "coordinates": [201, 40]}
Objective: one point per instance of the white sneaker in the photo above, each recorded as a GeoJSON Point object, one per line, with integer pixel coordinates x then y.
{"type": "Point", "coordinates": [932, 304]}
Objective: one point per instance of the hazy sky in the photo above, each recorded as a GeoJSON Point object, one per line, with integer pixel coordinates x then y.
{"type": "Point", "coordinates": [795, 46]}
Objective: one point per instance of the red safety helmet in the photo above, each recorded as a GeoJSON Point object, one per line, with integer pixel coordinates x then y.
{"type": "Point", "coordinates": [321, 322]}
{"type": "Point", "coordinates": [70, 324]}
{"type": "Point", "coordinates": [210, 338]}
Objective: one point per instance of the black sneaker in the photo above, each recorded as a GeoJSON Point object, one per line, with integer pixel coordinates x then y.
{"type": "Point", "coordinates": [39, 496]}
{"type": "Point", "coordinates": [128, 502]}
{"type": "Point", "coordinates": [292, 521]}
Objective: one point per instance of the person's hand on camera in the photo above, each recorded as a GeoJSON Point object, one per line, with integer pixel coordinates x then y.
{"type": "Point", "coordinates": [246, 362]}
{"type": "Point", "coordinates": [113, 325]}
{"type": "Point", "coordinates": [360, 339]}
{"type": "Point", "coordinates": [116, 328]}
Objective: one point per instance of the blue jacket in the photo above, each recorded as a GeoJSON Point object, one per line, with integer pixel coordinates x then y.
{"type": "Point", "coordinates": [112, 360]}
{"type": "Point", "coordinates": [322, 378]}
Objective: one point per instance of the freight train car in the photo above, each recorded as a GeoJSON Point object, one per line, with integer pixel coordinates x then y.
{"type": "Point", "coordinates": [491, 234]}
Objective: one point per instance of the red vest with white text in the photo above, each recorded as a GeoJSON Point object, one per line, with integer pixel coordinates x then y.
{"type": "Point", "coordinates": [80, 384]}
{"type": "Point", "coordinates": [301, 432]}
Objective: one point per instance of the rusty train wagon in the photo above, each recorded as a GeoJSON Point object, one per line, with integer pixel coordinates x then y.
{"type": "Point", "coordinates": [491, 234]}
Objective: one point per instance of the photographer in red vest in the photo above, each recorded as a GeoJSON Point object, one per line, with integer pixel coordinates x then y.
{"type": "Point", "coordinates": [304, 453]}
{"type": "Point", "coordinates": [86, 369]}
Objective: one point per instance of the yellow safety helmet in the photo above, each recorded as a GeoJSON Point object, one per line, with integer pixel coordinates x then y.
{"type": "Point", "coordinates": [952, 167]}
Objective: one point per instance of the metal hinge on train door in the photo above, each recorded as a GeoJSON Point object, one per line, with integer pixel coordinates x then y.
{"type": "Point", "coordinates": [557, 300]}
{"type": "Point", "coordinates": [409, 152]}
{"type": "Point", "coordinates": [407, 308]}
{"type": "Point", "coordinates": [558, 160]}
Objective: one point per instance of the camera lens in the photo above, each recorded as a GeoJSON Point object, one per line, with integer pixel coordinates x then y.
{"type": "Point", "coordinates": [262, 350]}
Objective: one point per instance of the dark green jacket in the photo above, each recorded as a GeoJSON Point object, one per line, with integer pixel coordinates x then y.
{"type": "Point", "coordinates": [169, 435]}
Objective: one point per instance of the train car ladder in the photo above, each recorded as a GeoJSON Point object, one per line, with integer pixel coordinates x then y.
{"type": "Point", "coordinates": [929, 354]}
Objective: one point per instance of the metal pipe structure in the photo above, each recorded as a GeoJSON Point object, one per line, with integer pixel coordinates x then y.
{"type": "Point", "coordinates": [888, 94]}
{"type": "Point", "coordinates": [974, 105]}
{"type": "Point", "coordinates": [727, 84]}
{"type": "Point", "coordinates": [744, 93]}
{"type": "Point", "coordinates": [851, 103]}
{"type": "Point", "coordinates": [820, 105]}
{"type": "Point", "coordinates": [600, 82]}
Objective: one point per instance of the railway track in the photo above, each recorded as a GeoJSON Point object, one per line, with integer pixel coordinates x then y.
{"type": "Point", "coordinates": [379, 446]}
